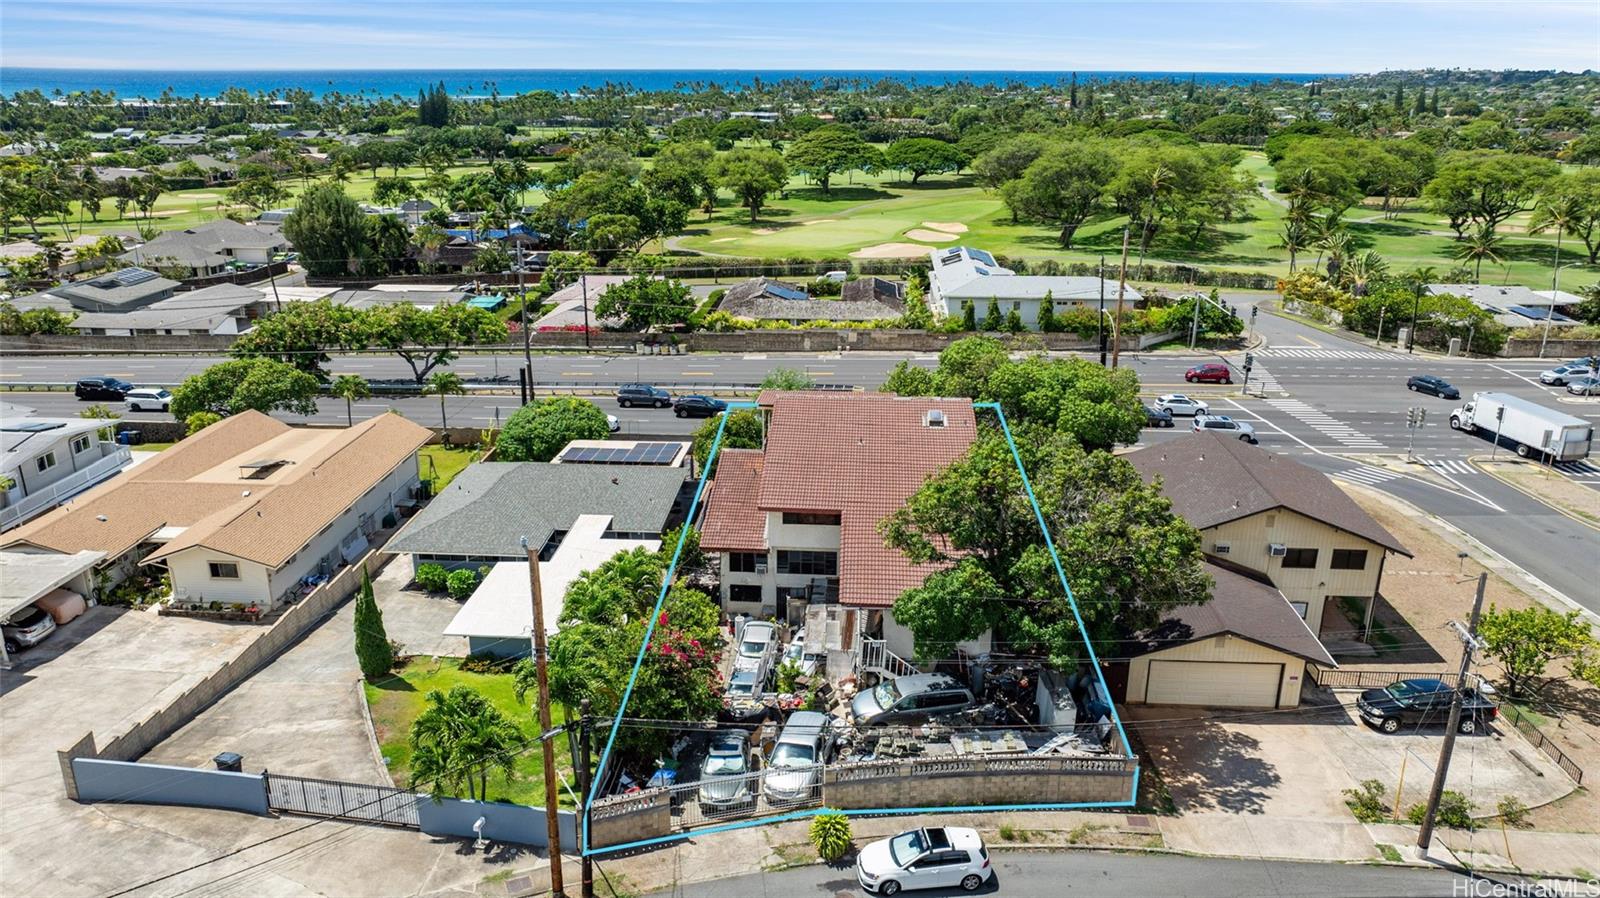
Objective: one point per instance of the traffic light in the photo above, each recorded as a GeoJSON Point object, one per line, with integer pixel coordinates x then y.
{"type": "Point", "coordinates": [1249, 360]}
{"type": "Point", "coordinates": [1415, 416]}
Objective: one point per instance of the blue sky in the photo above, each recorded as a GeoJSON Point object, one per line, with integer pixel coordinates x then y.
{"type": "Point", "coordinates": [1267, 35]}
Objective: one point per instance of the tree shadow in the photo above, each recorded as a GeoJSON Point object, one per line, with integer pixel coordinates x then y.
{"type": "Point", "coordinates": [1208, 767]}
{"type": "Point", "coordinates": [1392, 634]}
{"type": "Point", "coordinates": [846, 193]}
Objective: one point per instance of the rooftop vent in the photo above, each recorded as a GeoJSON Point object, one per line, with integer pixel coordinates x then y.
{"type": "Point", "coordinates": [934, 418]}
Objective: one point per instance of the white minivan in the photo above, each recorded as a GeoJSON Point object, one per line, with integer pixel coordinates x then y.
{"type": "Point", "coordinates": [147, 399]}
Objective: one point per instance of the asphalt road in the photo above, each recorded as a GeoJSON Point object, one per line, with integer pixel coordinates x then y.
{"type": "Point", "coordinates": [1334, 404]}
{"type": "Point", "coordinates": [1049, 874]}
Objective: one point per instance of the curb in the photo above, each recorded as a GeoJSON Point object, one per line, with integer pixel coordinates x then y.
{"type": "Point", "coordinates": [1478, 461]}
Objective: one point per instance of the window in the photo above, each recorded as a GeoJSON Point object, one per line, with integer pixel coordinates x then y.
{"type": "Point", "coordinates": [223, 570]}
{"type": "Point", "coordinates": [817, 564]}
{"type": "Point", "coordinates": [823, 519]}
{"type": "Point", "coordinates": [1300, 608]}
{"type": "Point", "coordinates": [81, 444]}
{"type": "Point", "coordinates": [744, 562]}
{"type": "Point", "coordinates": [1349, 560]}
{"type": "Point", "coordinates": [1300, 558]}
{"type": "Point", "coordinates": [744, 592]}
{"type": "Point", "coordinates": [46, 461]}
{"type": "Point", "coordinates": [1220, 549]}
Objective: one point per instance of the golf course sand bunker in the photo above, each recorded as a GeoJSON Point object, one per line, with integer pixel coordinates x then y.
{"type": "Point", "coordinates": [764, 231]}
{"type": "Point", "coordinates": [725, 239]}
{"type": "Point", "coordinates": [928, 236]}
{"type": "Point", "coordinates": [819, 221]}
{"type": "Point", "coordinates": [954, 227]}
{"type": "Point", "coordinates": [890, 251]}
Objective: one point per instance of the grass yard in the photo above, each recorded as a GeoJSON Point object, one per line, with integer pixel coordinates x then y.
{"type": "Point", "coordinates": [398, 700]}
{"type": "Point", "coordinates": [443, 463]}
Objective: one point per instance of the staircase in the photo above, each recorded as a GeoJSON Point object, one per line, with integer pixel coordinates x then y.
{"type": "Point", "coordinates": [876, 657]}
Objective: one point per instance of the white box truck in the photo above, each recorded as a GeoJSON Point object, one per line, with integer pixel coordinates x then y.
{"type": "Point", "coordinates": [1531, 428]}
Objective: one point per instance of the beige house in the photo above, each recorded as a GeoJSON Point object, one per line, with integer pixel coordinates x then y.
{"type": "Point", "coordinates": [1286, 547]}
{"type": "Point", "coordinates": [249, 510]}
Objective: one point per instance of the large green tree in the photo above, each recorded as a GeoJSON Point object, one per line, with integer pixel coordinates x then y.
{"type": "Point", "coordinates": [1064, 186]}
{"type": "Point", "coordinates": [328, 230]}
{"type": "Point", "coordinates": [924, 155]}
{"type": "Point", "coordinates": [539, 430]}
{"type": "Point", "coordinates": [643, 302]}
{"type": "Point", "coordinates": [1485, 187]}
{"type": "Point", "coordinates": [458, 740]}
{"type": "Point", "coordinates": [428, 338]}
{"type": "Point", "coordinates": [752, 175]}
{"type": "Point", "coordinates": [374, 654]}
{"type": "Point", "coordinates": [1128, 558]}
{"type": "Point", "coordinates": [829, 150]}
{"type": "Point", "coordinates": [230, 387]}
{"type": "Point", "coordinates": [1527, 641]}
{"type": "Point", "coordinates": [744, 430]}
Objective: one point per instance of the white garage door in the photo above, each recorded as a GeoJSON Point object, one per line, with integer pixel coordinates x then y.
{"type": "Point", "coordinates": [1224, 684]}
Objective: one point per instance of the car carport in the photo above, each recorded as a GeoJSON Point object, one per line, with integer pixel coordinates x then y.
{"type": "Point", "coordinates": [27, 577]}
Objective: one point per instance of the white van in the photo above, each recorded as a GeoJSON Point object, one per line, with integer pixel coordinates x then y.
{"type": "Point", "coordinates": [147, 399]}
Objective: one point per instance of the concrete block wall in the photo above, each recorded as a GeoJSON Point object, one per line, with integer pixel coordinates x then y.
{"type": "Point", "coordinates": [119, 781]}
{"type": "Point", "coordinates": [516, 823]}
{"type": "Point", "coordinates": [630, 818]}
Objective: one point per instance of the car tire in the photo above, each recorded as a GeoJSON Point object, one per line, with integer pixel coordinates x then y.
{"type": "Point", "coordinates": [1228, 381]}
{"type": "Point", "coordinates": [1455, 423]}
{"type": "Point", "coordinates": [971, 882]}
{"type": "Point", "coordinates": [1524, 451]}
{"type": "Point", "coordinates": [1189, 378]}
{"type": "Point", "coordinates": [625, 403]}
{"type": "Point", "coordinates": [134, 407]}
{"type": "Point", "coordinates": [888, 887]}
{"type": "Point", "coordinates": [12, 648]}
{"type": "Point", "coordinates": [1411, 387]}
{"type": "Point", "coordinates": [1468, 726]}
{"type": "Point", "coordinates": [1390, 725]}
{"type": "Point", "coordinates": [1168, 423]}
{"type": "Point", "coordinates": [165, 407]}
{"type": "Point", "coordinates": [680, 413]}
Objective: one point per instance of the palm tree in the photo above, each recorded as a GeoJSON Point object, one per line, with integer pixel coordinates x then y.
{"type": "Point", "coordinates": [458, 739]}
{"type": "Point", "coordinates": [1336, 244]}
{"type": "Point", "coordinates": [1362, 270]}
{"type": "Point", "coordinates": [1559, 211]}
{"type": "Point", "coordinates": [429, 238]}
{"type": "Point", "coordinates": [1481, 244]}
{"type": "Point", "coordinates": [350, 387]}
{"type": "Point", "coordinates": [1295, 236]}
{"type": "Point", "coordinates": [444, 383]}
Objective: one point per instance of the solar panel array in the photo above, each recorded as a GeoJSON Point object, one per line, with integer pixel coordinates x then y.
{"type": "Point", "coordinates": [783, 292]}
{"type": "Point", "coordinates": [127, 277]}
{"type": "Point", "coordinates": [978, 255]}
{"type": "Point", "coordinates": [636, 454]}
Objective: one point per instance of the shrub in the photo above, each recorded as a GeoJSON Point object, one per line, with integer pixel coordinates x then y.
{"type": "Point", "coordinates": [461, 583]}
{"type": "Point", "coordinates": [487, 664]}
{"type": "Point", "coordinates": [1367, 803]}
{"type": "Point", "coordinates": [1455, 811]}
{"type": "Point", "coordinates": [200, 421]}
{"type": "Point", "coordinates": [1513, 811]}
{"type": "Point", "coordinates": [432, 577]}
{"type": "Point", "coordinates": [540, 429]}
{"type": "Point", "coordinates": [788, 672]}
{"type": "Point", "coordinates": [830, 835]}
{"type": "Point", "coordinates": [374, 652]}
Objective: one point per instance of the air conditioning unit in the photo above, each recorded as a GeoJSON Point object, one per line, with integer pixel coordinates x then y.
{"type": "Point", "coordinates": [761, 567]}
{"type": "Point", "coordinates": [934, 418]}
{"type": "Point", "coordinates": [1277, 550]}
{"type": "Point", "coordinates": [1220, 549]}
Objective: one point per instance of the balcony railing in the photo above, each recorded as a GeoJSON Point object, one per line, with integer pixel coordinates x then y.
{"type": "Point", "coordinates": [37, 503]}
{"type": "Point", "coordinates": [875, 656]}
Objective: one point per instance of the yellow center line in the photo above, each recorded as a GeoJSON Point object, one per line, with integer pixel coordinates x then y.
{"type": "Point", "coordinates": [701, 373]}
{"type": "Point", "coordinates": [1308, 341]}
{"type": "Point", "coordinates": [819, 372]}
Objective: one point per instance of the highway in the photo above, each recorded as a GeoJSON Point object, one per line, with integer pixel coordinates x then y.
{"type": "Point", "coordinates": [1336, 405]}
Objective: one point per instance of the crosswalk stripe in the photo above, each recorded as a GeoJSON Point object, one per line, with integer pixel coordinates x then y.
{"type": "Point", "coordinates": [1450, 465]}
{"type": "Point", "coordinates": [1325, 424]}
{"type": "Point", "coordinates": [1366, 475]}
{"type": "Point", "coordinates": [1291, 353]}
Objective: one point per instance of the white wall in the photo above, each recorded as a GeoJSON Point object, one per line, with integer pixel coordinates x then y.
{"type": "Point", "coordinates": [325, 545]}
{"type": "Point", "coordinates": [192, 580]}
{"type": "Point", "coordinates": [899, 640]}
{"type": "Point", "coordinates": [1028, 308]}
{"type": "Point", "coordinates": [1247, 541]}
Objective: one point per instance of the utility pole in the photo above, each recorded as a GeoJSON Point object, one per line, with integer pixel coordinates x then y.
{"type": "Point", "coordinates": [527, 335]}
{"type": "Point", "coordinates": [1116, 324]}
{"type": "Point", "coordinates": [540, 666]}
{"type": "Point", "coordinates": [272, 278]}
{"type": "Point", "coordinates": [1194, 324]}
{"type": "Point", "coordinates": [1469, 643]}
{"type": "Point", "coordinates": [1379, 341]}
{"type": "Point", "coordinates": [1499, 424]}
{"type": "Point", "coordinates": [1101, 324]}
{"type": "Point", "coordinates": [584, 725]}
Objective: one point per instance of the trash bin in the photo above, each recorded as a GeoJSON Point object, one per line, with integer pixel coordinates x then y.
{"type": "Point", "coordinates": [229, 760]}
{"type": "Point", "coordinates": [131, 437]}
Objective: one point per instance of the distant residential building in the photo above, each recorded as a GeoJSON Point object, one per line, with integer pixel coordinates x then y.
{"type": "Point", "coordinates": [1513, 305]}
{"type": "Point", "coordinates": [214, 170]}
{"type": "Point", "coordinates": [49, 460]}
{"type": "Point", "coordinates": [212, 247]}
{"type": "Point", "coordinates": [119, 291]}
{"type": "Point", "coordinates": [574, 305]}
{"type": "Point", "coordinates": [218, 309]}
{"type": "Point", "coordinates": [378, 296]}
{"type": "Point", "coordinates": [961, 274]}
{"type": "Point", "coordinates": [180, 141]}
{"type": "Point", "coordinates": [765, 299]}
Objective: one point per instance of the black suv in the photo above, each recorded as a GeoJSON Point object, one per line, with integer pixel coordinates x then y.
{"type": "Point", "coordinates": [630, 395]}
{"type": "Point", "coordinates": [1427, 383]}
{"type": "Point", "coordinates": [698, 407]}
{"type": "Point", "coordinates": [101, 388]}
{"type": "Point", "coordinates": [1157, 417]}
{"type": "Point", "coordinates": [1424, 702]}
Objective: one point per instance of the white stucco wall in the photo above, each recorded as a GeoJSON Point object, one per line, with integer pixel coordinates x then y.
{"type": "Point", "coordinates": [192, 580]}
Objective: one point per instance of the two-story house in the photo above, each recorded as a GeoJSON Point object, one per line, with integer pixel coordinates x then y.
{"type": "Point", "coordinates": [1269, 526]}
{"type": "Point", "coordinates": [796, 522]}
{"type": "Point", "coordinates": [46, 461]}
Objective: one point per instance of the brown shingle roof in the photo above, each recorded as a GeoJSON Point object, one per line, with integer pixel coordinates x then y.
{"type": "Point", "coordinates": [733, 522]}
{"type": "Point", "coordinates": [861, 455]}
{"type": "Point", "coordinates": [1244, 607]}
{"type": "Point", "coordinates": [1212, 479]}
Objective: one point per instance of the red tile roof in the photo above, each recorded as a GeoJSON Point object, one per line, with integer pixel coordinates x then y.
{"type": "Point", "coordinates": [733, 522]}
{"type": "Point", "coordinates": [861, 455]}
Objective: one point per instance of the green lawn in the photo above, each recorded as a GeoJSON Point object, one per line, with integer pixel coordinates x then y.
{"type": "Point", "coordinates": [443, 463]}
{"type": "Point", "coordinates": [398, 700]}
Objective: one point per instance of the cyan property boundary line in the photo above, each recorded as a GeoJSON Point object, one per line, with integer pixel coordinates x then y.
{"type": "Point", "coordinates": [638, 662]}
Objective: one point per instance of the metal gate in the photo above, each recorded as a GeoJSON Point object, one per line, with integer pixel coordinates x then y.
{"type": "Point", "coordinates": [349, 801]}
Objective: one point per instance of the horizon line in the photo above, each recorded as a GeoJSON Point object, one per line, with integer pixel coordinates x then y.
{"type": "Point", "coordinates": [125, 68]}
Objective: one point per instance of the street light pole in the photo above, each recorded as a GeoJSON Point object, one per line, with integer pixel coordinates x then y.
{"type": "Point", "coordinates": [1550, 311]}
{"type": "Point", "coordinates": [541, 671]}
{"type": "Point", "coordinates": [1100, 323]}
{"type": "Point", "coordinates": [1116, 323]}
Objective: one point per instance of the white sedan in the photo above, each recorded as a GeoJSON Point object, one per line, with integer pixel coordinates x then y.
{"type": "Point", "coordinates": [1560, 375]}
{"type": "Point", "coordinates": [932, 858]}
{"type": "Point", "coordinates": [1179, 404]}
{"type": "Point", "coordinates": [1225, 425]}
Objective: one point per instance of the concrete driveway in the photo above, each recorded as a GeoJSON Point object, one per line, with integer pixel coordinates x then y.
{"type": "Point", "coordinates": [1273, 782]}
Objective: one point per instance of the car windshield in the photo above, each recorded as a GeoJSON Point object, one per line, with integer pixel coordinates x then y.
{"type": "Point", "coordinates": [743, 683]}
{"type": "Point", "coordinates": [906, 847]}
{"type": "Point", "coordinates": [722, 765]}
{"type": "Point", "coordinates": [885, 694]}
{"type": "Point", "coordinates": [791, 756]}
{"type": "Point", "coordinates": [1412, 688]}
{"type": "Point", "coordinates": [752, 648]}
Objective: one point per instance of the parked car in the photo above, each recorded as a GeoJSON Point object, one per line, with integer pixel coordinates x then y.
{"type": "Point", "coordinates": [1209, 373]}
{"type": "Point", "coordinates": [795, 769]}
{"type": "Point", "coordinates": [932, 858]}
{"type": "Point", "coordinates": [1179, 404]}
{"type": "Point", "coordinates": [743, 685]}
{"type": "Point", "coordinates": [910, 699]}
{"type": "Point", "coordinates": [698, 407]}
{"type": "Point", "coordinates": [1157, 417]}
{"type": "Point", "coordinates": [148, 398]}
{"type": "Point", "coordinates": [756, 641]}
{"type": "Point", "coordinates": [613, 424]}
{"type": "Point", "coordinates": [1559, 375]}
{"type": "Point", "coordinates": [725, 773]}
{"type": "Point", "coordinates": [1225, 425]}
{"type": "Point", "coordinates": [101, 388]}
{"type": "Point", "coordinates": [630, 395]}
{"type": "Point", "coordinates": [1585, 386]}
{"type": "Point", "coordinates": [1428, 383]}
{"type": "Point", "coordinates": [808, 662]}
{"type": "Point", "coordinates": [1422, 702]}
{"type": "Point", "coordinates": [26, 628]}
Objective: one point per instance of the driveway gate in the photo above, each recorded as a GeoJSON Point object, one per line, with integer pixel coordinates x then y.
{"type": "Point", "coordinates": [348, 801]}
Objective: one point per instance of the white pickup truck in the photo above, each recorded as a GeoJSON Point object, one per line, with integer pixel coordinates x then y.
{"type": "Point", "coordinates": [1531, 428]}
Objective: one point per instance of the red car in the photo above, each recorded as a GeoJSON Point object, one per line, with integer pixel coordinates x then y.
{"type": "Point", "coordinates": [1210, 372]}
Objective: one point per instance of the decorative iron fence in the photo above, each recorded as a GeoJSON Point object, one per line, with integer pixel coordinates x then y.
{"type": "Point", "coordinates": [1367, 679]}
{"type": "Point", "coordinates": [1532, 733]}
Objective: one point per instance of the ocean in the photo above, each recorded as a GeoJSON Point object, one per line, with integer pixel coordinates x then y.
{"type": "Point", "coordinates": [131, 84]}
